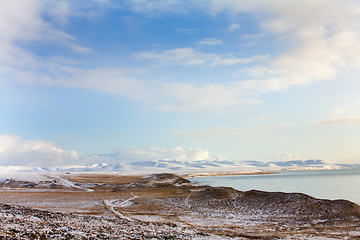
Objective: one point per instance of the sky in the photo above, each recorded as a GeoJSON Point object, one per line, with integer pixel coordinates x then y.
{"type": "Point", "coordinates": [173, 79]}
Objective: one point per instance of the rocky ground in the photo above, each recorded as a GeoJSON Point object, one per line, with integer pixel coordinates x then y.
{"type": "Point", "coordinates": [165, 206]}
{"type": "Point", "coordinates": [27, 223]}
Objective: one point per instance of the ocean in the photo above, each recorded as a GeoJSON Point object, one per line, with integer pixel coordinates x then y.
{"type": "Point", "coordinates": [325, 184]}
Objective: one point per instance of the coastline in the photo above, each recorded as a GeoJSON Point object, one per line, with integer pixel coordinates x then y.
{"type": "Point", "coordinates": [324, 184]}
{"type": "Point", "coordinates": [235, 173]}
{"type": "Point", "coordinates": [154, 205]}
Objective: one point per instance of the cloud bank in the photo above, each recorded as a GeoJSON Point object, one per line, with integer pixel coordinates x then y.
{"type": "Point", "coordinates": [152, 154]}
{"type": "Point", "coordinates": [348, 120]}
{"type": "Point", "coordinates": [321, 38]}
{"type": "Point", "coordinates": [16, 151]}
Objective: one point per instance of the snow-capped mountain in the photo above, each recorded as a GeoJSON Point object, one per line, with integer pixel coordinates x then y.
{"type": "Point", "coordinates": [199, 166]}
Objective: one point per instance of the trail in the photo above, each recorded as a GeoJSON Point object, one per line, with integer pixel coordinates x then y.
{"type": "Point", "coordinates": [110, 205]}
{"type": "Point", "coordinates": [67, 183]}
{"type": "Point", "coordinates": [125, 203]}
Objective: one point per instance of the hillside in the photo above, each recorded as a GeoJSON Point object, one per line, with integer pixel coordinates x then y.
{"type": "Point", "coordinates": [181, 167]}
{"type": "Point", "coordinates": [163, 206]}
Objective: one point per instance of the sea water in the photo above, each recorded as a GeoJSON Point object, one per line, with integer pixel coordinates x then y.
{"type": "Point", "coordinates": [325, 184]}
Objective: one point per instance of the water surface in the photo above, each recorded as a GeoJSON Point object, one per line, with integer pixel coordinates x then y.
{"type": "Point", "coordinates": [328, 184]}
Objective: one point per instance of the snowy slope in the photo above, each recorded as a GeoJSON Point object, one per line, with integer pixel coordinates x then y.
{"type": "Point", "coordinates": [181, 167]}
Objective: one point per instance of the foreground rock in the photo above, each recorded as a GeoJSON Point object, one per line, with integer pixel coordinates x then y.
{"type": "Point", "coordinates": [166, 206]}
{"type": "Point", "coordinates": [25, 223]}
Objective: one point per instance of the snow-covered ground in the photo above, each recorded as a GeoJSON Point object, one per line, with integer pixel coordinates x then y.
{"type": "Point", "coordinates": [179, 167]}
{"type": "Point", "coordinates": [165, 206]}
{"type": "Point", "coordinates": [24, 223]}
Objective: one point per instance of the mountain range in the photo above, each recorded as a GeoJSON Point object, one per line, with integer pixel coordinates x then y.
{"type": "Point", "coordinates": [176, 166]}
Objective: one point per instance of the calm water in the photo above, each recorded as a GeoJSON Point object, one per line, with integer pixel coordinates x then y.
{"type": "Point", "coordinates": [329, 184]}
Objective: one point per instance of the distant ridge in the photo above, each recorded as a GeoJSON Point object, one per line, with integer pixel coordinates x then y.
{"type": "Point", "coordinates": [187, 166]}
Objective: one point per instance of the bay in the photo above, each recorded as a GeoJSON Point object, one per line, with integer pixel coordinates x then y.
{"type": "Point", "coordinates": [324, 184]}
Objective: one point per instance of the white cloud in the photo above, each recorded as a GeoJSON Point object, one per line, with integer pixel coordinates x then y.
{"type": "Point", "coordinates": [252, 39]}
{"type": "Point", "coordinates": [181, 154]}
{"type": "Point", "coordinates": [348, 115]}
{"type": "Point", "coordinates": [107, 80]}
{"type": "Point", "coordinates": [324, 35]}
{"type": "Point", "coordinates": [256, 36]}
{"type": "Point", "coordinates": [59, 10]}
{"type": "Point", "coordinates": [156, 7]}
{"type": "Point", "coordinates": [190, 97]}
{"type": "Point", "coordinates": [214, 133]}
{"type": "Point", "coordinates": [146, 6]}
{"type": "Point", "coordinates": [174, 96]}
{"type": "Point", "coordinates": [79, 49]}
{"type": "Point", "coordinates": [233, 27]}
{"type": "Point", "coordinates": [101, 1]}
{"type": "Point", "coordinates": [210, 41]}
{"type": "Point", "coordinates": [16, 151]}
{"type": "Point", "coordinates": [187, 31]}
{"type": "Point", "coordinates": [19, 19]}
{"type": "Point", "coordinates": [338, 111]}
{"type": "Point", "coordinates": [192, 57]}
{"type": "Point", "coordinates": [186, 56]}
{"type": "Point", "coordinates": [154, 154]}
{"type": "Point", "coordinates": [284, 157]}
{"type": "Point", "coordinates": [23, 20]}
{"type": "Point", "coordinates": [348, 120]}
{"type": "Point", "coordinates": [225, 132]}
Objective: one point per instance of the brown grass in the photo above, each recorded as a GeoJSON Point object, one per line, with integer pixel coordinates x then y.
{"type": "Point", "coordinates": [171, 204]}
{"type": "Point", "coordinates": [102, 178]}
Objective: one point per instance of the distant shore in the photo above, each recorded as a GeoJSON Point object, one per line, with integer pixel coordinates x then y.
{"type": "Point", "coordinates": [165, 206]}
{"type": "Point", "coordinates": [214, 174]}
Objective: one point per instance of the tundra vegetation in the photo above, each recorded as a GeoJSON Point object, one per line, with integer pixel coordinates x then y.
{"type": "Point", "coordinates": [164, 206]}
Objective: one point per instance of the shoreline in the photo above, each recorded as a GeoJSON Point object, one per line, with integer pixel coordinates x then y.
{"type": "Point", "coordinates": [165, 204]}
{"type": "Point", "coordinates": [258, 172]}
{"type": "Point", "coordinates": [240, 173]}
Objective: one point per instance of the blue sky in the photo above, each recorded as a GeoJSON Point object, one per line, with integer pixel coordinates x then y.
{"type": "Point", "coordinates": [187, 80]}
